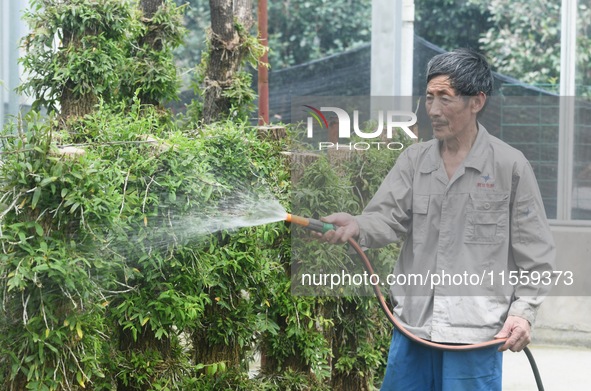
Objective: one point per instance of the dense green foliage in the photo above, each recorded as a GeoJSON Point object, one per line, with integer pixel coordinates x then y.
{"type": "Point", "coordinates": [302, 31]}
{"type": "Point", "coordinates": [451, 23]}
{"type": "Point", "coordinates": [101, 244]}
{"type": "Point", "coordinates": [80, 51]}
{"type": "Point", "coordinates": [114, 270]}
{"type": "Point", "coordinates": [331, 184]}
{"type": "Point", "coordinates": [152, 73]}
{"type": "Point", "coordinates": [526, 44]}
{"type": "Point", "coordinates": [90, 53]}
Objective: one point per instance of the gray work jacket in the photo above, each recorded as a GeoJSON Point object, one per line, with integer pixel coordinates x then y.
{"type": "Point", "coordinates": [486, 221]}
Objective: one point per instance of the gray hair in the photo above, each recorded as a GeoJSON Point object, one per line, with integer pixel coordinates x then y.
{"type": "Point", "coordinates": [468, 71]}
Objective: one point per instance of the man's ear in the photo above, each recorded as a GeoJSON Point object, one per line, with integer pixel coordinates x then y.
{"type": "Point", "coordinates": [477, 102]}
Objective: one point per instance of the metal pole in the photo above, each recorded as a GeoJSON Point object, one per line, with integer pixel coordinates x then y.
{"type": "Point", "coordinates": [407, 48]}
{"type": "Point", "coordinates": [2, 59]}
{"type": "Point", "coordinates": [566, 130]}
{"type": "Point", "coordinates": [14, 31]}
{"type": "Point", "coordinates": [392, 45]}
{"type": "Point", "coordinates": [386, 35]}
{"type": "Point", "coordinates": [263, 72]}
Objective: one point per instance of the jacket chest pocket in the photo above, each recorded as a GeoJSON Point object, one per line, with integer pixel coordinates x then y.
{"type": "Point", "coordinates": [420, 209]}
{"type": "Point", "coordinates": [487, 218]}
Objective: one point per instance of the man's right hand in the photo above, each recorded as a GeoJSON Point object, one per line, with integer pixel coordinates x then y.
{"type": "Point", "coordinates": [346, 228]}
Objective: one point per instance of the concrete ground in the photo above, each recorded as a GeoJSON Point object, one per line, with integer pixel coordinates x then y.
{"type": "Point", "coordinates": [561, 368]}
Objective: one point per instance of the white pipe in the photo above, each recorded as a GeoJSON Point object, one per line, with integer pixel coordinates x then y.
{"type": "Point", "coordinates": [392, 47]}
{"type": "Point", "coordinates": [568, 41]}
{"type": "Point", "coordinates": [14, 36]}
{"type": "Point", "coordinates": [2, 59]}
{"type": "Point", "coordinates": [407, 48]}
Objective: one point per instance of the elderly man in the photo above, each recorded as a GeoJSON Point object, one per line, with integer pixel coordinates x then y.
{"type": "Point", "coordinates": [465, 202]}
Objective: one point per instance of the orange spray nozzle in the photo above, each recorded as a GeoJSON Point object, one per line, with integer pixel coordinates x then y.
{"type": "Point", "coordinates": [304, 222]}
{"type": "Point", "coordinates": [311, 224]}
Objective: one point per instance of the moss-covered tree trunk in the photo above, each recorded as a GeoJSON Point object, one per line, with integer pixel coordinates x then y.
{"type": "Point", "coordinates": [146, 340]}
{"type": "Point", "coordinates": [230, 23]}
{"type": "Point", "coordinates": [73, 103]}
{"type": "Point", "coordinates": [208, 350]}
{"type": "Point", "coordinates": [151, 36]}
{"type": "Point", "coordinates": [150, 39]}
{"type": "Point", "coordinates": [271, 364]}
{"type": "Point", "coordinates": [346, 341]}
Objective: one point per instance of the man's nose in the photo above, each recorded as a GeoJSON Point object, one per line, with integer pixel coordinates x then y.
{"type": "Point", "coordinates": [434, 108]}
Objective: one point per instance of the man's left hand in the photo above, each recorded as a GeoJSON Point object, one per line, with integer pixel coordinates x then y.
{"type": "Point", "coordinates": [517, 331]}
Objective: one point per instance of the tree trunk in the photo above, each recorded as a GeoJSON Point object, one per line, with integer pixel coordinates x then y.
{"type": "Point", "coordinates": [271, 365]}
{"type": "Point", "coordinates": [74, 104]}
{"type": "Point", "coordinates": [344, 341]}
{"type": "Point", "coordinates": [226, 53]}
{"type": "Point", "coordinates": [149, 8]}
{"type": "Point", "coordinates": [206, 351]}
{"type": "Point", "coordinates": [145, 341]}
{"type": "Point", "coordinates": [150, 39]}
{"type": "Point", "coordinates": [295, 361]}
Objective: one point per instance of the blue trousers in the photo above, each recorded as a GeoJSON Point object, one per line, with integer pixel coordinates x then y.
{"type": "Point", "coordinates": [414, 367]}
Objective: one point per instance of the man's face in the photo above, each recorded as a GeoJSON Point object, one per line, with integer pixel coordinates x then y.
{"type": "Point", "coordinates": [452, 116]}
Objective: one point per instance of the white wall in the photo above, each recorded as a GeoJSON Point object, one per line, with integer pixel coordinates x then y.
{"type": "Point", "coordinates": [566, 320]}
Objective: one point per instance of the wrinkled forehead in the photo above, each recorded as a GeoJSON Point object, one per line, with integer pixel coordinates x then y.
{"type": "Point", "coordinates": [440, 85]}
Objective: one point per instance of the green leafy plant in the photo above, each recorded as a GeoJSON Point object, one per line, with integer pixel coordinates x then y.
{"type": "Point", "coordinates": [526, 45]}
{"type": "Point", "coordinates": [74, 53]}
{"type": "Point", "coordinates": [452, 24]}
{"type": "Point", "coordinates": [343, 181]}
{"type": "Point", "coordinates": [151, 68]}
{"type": "Point", "coordinates": [113, 272]}
{"type": "Point", "coordinates": [309, 30]}
{"type": "Point", "coordinates": [56, 210]}
{"type": "Point", "coordinates": [96, 245]}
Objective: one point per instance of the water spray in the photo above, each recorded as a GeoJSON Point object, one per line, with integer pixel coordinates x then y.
{"type": "Point", "coordinates": [322, 227]}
